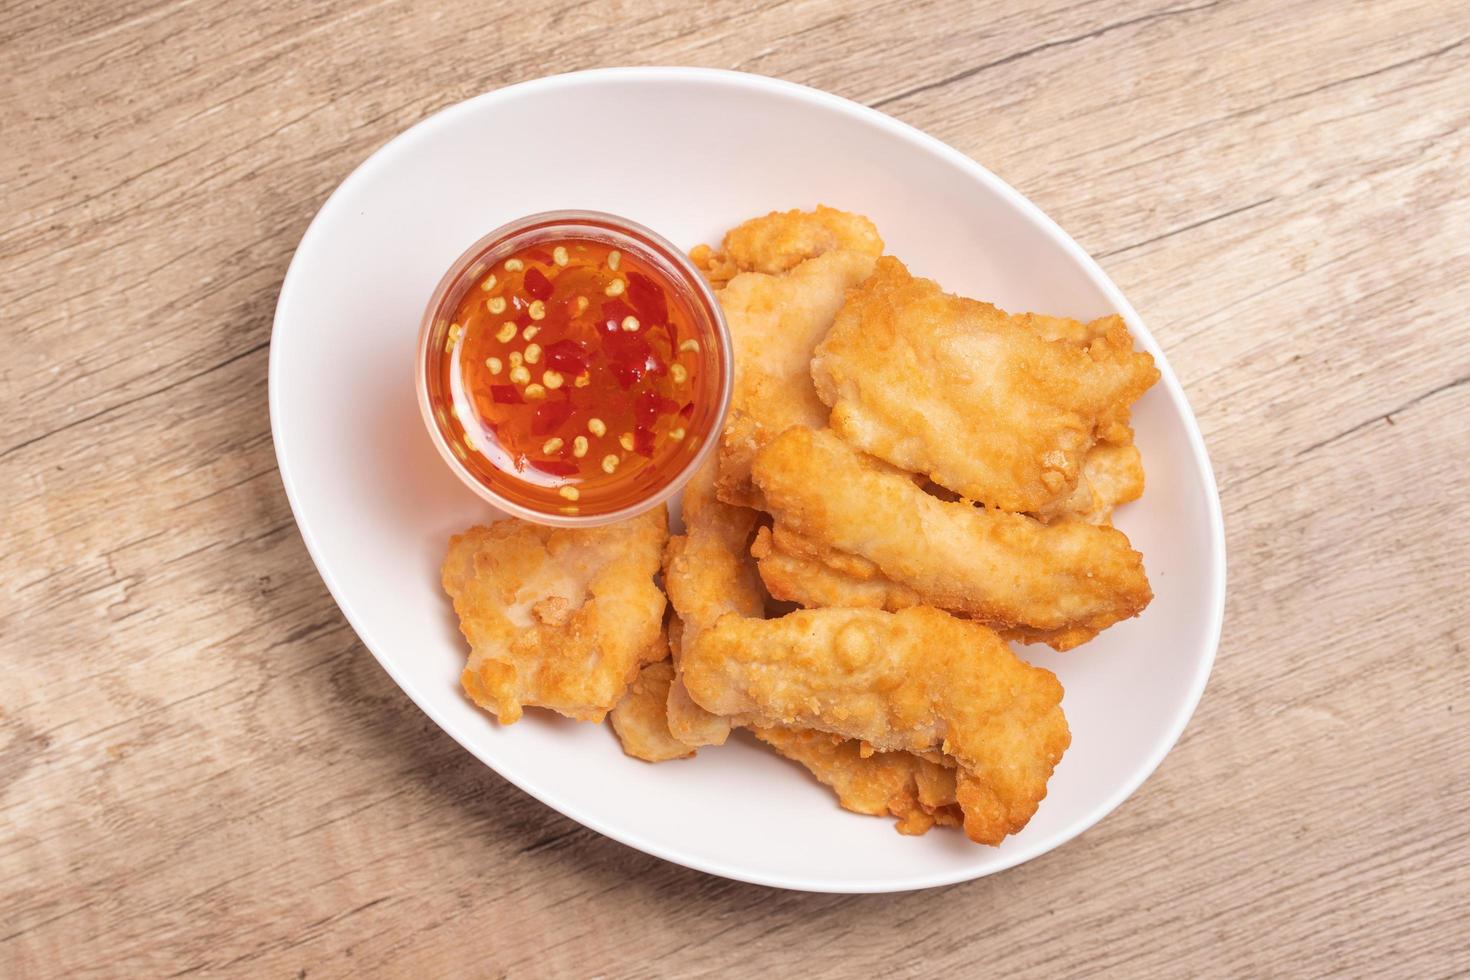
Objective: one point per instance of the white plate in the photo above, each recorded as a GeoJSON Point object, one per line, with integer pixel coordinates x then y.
{"type": "Point", "coordinates": [690, 153]}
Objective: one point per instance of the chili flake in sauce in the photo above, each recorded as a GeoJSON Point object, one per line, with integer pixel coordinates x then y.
{"type": "Point", "coordinates": [571, 368]}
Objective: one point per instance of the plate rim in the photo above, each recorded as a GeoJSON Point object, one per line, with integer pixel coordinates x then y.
{"type": "Point", "coordinates": [382, 156]}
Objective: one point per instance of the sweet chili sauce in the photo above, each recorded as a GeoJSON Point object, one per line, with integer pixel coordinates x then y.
{"type": "Point", "coordinates": [574, 378]}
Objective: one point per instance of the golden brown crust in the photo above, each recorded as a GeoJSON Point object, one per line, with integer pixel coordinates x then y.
{"type": "Point", "coordinates": [557, 618]}
{"type": "Point", "coordinates": [777, 242]}
{"type": "Point", "coordinates": [707, 570]}
{"type": "Point", "coordinates": [707, 573]}
{"type": "Point", "coordinates": [687, 721]}
{"type": "Point", "coordinates": [1061, 582]}
{"type": "Point", "coordinates": [801, 575]}
{"type": "Point", "coordinates": [919, 680]}
{"type": "Point", "coordinates": [981, 402]}
{"type": "Point", "coordinates": [640, 718]}
{"type": "Point", "coordinates": [920, 793]}
{"type": "Point", "coordinates": [1112, 475]}
{"type": "Point", "coordinates": [775, 322]}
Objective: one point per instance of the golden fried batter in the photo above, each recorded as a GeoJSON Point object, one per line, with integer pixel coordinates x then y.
{"type": "Point", "coordinates": [775, 321]}
{"type": "Point", "coordinates": [641, 719]}
{"type": "Point", "coordinates": [919, 680]}
{"type": "Point", "coordinates": [557, 618]}
{"type": "Point", "coordinates": [801, 571]}
{"type": "Point", "coordinates": [687, 721]}
{"type": "Point", "coordinates": [797, 571]}
{"type": "Point", "coordinates": [1062, 583]}
{"type": "Point", "coordinates": [707, 573]}
{"type": "Point", "coordinates": [784, 276]}
{"type": "Point", "coordinates": [1112, 474]}
{"type": "Point", "coordinates": [920, 793]}
{"type": "Point", "coordinates": [962, 392]}
{"type": "Point", "coordinates": [781, 240]}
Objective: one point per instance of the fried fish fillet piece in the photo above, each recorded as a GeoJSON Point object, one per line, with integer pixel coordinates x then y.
{"type": "Point", "coordinates": [981, 402]}
{"type": "Point", "coordinates": [1112, 475]}
{"type": "Point", "coordinates": [1112, 470]}
{"type": "Point", "coordinates": [641, 718]}
{"type": "Point", "coordinates": [919, 792]}
{"type": "Point", "coordinates": [707, 573]}
{"type": "Point", "coordinates": [775, 322]}
{"type": "Point", "coordinates": [782, 240]}
{"type": "Point", "coordinates": [685, 720]}
{"type": "Point", "coordinates": [800, 570]}
{"type": "Point", "coordinates": [557, 618]}
{"type": "Point", "coordinates": [1060, 583]}
{"type": "Point", "coordinates": [783, 277]}
{"type": "Point", "coordinates": [797, 570]}
{"type": "Point", "coordinates": [919, 680]}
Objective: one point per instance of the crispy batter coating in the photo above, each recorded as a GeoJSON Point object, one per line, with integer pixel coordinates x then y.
{"type": "Point", "coordinates": [1061, 583]}
{"type": "Point", "coordinates": [706, 569]}
{"type": "Point", "coordinates": [960, 391]}
{"type": "Point", "coordinates": [919, 792]}
{"type": "Point", "coordinates": [781, 240]}
{"type": "Point", "coordinates": [782, 277]}
{"type": "Point", "coordinates": [817, 579]}
{"type": "Point", "coordinates": [919, 680]}
{"type": "Point", "coordinates": [797, 570]}
{"type": "Point", "coordinates": [801, 571]}
{"type": "Point", "coordinates": [1112, 475]}
{"type": "Point", "coordinates": [687, 721]}
{"type": "Point", "coordinates": [1064, 328]}
{"type": "Point", "coordinates": [557, 618]}
{"type": "Point", "coordinates": [775, 322]}
{"type": "Point", "coordinates": [1112, 470]}
{"type": "Point", "coordinates": [641, 719]}
{"type": "Point", "coordinates": [707, 573]}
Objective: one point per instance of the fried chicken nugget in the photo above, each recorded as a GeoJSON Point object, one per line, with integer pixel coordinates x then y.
{"type": "Point", "coordinates": [919, 792]}
{"type": "Point", "coordinates": [557, 618]}
{"type": "Point", "coordinates": [781, 240]}
{"type": "Point", "coordinates": [981, 402]}
{"type": "Point", "coordinates": [919, 680]}
{"type": "Point", "coordinates": [1060, 583]}
{"type": "Point", "coordinates": [641, 718]}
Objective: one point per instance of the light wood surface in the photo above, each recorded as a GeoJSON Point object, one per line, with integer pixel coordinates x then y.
{"type": "Point", "coordinates": [203, 771]}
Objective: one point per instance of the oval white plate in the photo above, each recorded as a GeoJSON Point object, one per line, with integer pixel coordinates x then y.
{"type": "Point", "coordinates": [690, 153]}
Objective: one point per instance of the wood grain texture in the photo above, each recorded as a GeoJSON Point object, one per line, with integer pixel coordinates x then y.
{"type": "Point", "coordinates": [203, 771]}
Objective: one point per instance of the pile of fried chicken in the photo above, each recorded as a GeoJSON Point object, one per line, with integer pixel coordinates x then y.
{"type": "Point", "coordinates": [906, 481]}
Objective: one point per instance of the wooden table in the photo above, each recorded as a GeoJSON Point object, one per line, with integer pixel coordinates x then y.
{"type": "Point", "coordinates": [203, 771]}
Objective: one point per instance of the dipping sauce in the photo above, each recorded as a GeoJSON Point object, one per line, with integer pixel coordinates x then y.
{"type": "Point", "coordinates": [576, 376]}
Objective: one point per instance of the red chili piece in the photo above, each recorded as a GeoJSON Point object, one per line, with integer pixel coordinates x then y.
{"type": "Point", "coordinates": [567, 356]}
{"type": "Point", "coordinates": [550, 416]}
{"type": "Point", "coordinates": [537, 284]}
{"type": "Point", "coordinates": [647, 299]}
